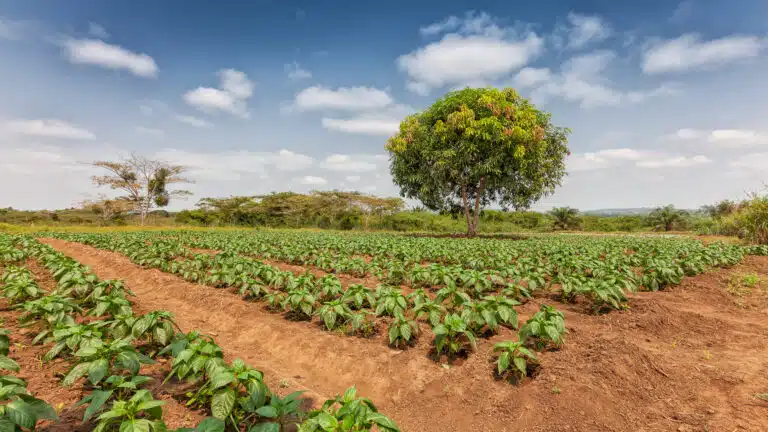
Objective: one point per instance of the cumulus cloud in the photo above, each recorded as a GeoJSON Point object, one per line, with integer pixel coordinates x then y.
{"type": "Point", "coordinates": [474, 49]}
{"type": "Point", "coordinates": [342, 98]}
{"type": "Point", "coordinates": [296, 72]}
{"type": "Point", "coordinates": [531, 77]}
{"type": "Point", "coordinates": [231, 165]}
{"type": "Point", "coordinates": [674, 162]}
{"type": "Point", "coordinates": [99, 53]}
{"type": "Point", "coordinates": [618, 157]}
{"type": "Point", "coordinates": [723, 137]}
{"type": "Point", "coordinates": [354, 163]}
{"type": "Point", "coordinates": [582, 79]}
{"type": "Point", "coordinates": [47, 128]}
{"type": "Point", "coordinates": [235, 88]}
{"type": "Point", "coordinates": [362, 125]}
{"type": "Point", "coordinates": [580, 31]}
{"type": "Point", "coordinates": [384, 122]}
{"type": "Point", "coordinates": [690, 52]}
{"type": "Point", "coordinates": [457, 60]}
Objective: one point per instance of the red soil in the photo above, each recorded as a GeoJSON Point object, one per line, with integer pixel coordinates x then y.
{"type": "Point", "coordinates": [688, 359]}
{"type": "Point", "coordinates": [44, 379]}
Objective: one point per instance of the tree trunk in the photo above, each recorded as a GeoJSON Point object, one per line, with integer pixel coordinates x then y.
{"type": "Point", "coordinates": [480, 190]}
{"type": "Point", "coordinates": [470, 228]}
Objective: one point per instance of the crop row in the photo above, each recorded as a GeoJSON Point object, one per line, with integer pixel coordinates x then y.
{"type": "Point", "coordinates": [456, 314]}
{"type": "Point", "coordinates": [90, 323]}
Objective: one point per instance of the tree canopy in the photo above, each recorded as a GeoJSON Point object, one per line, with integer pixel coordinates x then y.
{"type": "Point", "coordinates": [474, 147]}
{"type": "Point", "coordinates": [145, 182]}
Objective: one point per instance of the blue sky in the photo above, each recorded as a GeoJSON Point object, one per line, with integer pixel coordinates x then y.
{"type": "Point", "coordinates": [666, 100]}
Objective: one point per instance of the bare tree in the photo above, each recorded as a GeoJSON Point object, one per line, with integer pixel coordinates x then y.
{"type": "Point", "coordinates": [145, 182]}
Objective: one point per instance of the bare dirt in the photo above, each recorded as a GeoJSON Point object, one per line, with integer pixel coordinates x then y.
{"type": "Point", "coordinates": [687, 359]}
{"type": "Point", "coordinates": [44, 379]}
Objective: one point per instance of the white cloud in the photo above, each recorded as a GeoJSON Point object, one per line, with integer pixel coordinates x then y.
{"type": "Point", "coordinates": [232, 95]}
{"type": "Point", "coordinates": [193, 121]}
{"type": "Point", "coordinates": [99, 53]}
{"type": "Point", "coordinates": [674, 162]}
{"type": "Point", "coordinates": [232, 165]}
{"type": "Point", "coordinates": [313, 181]}
{"type": "Point", "coordinates": [752, 161]}
{"type": "Point", "coordinates": [531, 77]}
{"type": "Point", "coordinates": [363, 125]}
{"type": "Point", "coordinates": [296, 72]}
{"type": "Point", "coordinates": [449, 24]}
{"type": "Point", "coordinates": [689, 52]}
{"type": "Point", "coordinates": [352, 163]}
{"type": "Point", "coordinates": [581, 31]}
{"type": "Point", "coordinates": [48, 128]}
{"type": "Point", "coordinates": [384, 122]}
{"type": "Point", "coordinates": [473, 23]}
{"type": "Point", "coordinates": [156, 133]}
{"type": "Point", "coordinates": [618, 157]}
{"type": "Point", "coordinates": [352, 178]}
{"type": "Point", "coordinates": [603, 158]}
{"type": "Point", "coordinates": [97, 31]}
{"type": "Point", "coordinates": [722, 137]}
{"type": "Point", "coordinates": [582, 80]}
{"type": "Point", "coordinates": [342, 98]}
{"type": "Point", "coordinates": [458, 60]}
{"type": "Point", "coordinates": [737, 137]}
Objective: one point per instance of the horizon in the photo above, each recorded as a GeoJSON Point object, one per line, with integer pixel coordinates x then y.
{"type": "Point", "coordinates": [665, 101]}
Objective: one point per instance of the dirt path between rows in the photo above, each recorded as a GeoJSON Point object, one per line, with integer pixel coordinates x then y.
{"type": "Point", "coordinates": [682, 360]}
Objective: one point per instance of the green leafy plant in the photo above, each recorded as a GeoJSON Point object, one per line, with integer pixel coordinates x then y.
{"type": "Point", "coordinates": [544, 327]}
{"type": "Point", "coordinates": [140, 413]}
{"type": "Point", "coordinates": [104, 359]}
{"type": "Point", "coordinates": [115, 387]}
{"type": "Point", "coordinates": [402, 331]}
{"type": "Point", "coordinates": [453, 336]}
{"type": "Point", "coordinates": [359, 296]}
{"type": "Point", "coordinates": [280, 412]}
{"type": "Point", "coordinates": [431, 311]}
{"type": "Point", "coordinates": [514, 359]}
{"type": "Point", "coordinates": [334, 313]}
{"type": "Point", "coordinates": [390, 301]}
{"type": "Point", "coordinates": [192, 354]}
{"type": "Point", "coordinates": [300, 303]}
{"type": "Point", "coordinates": [347, 412]}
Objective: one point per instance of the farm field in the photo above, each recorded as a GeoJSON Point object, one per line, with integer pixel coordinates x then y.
{"type": "Point", "coordinates": [549, 333]}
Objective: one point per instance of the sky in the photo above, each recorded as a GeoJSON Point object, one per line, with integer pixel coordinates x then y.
{"type": "Point", "coordinates": [666, 100]}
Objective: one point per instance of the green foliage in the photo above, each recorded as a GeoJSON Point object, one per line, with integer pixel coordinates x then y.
{"type": "Point", "coordinates": [667, 218]}
{"type": "Point", "coordinates": [453, 336]}
{"type": "Point", "coordinates": [547, 326]}
{"type": "Point", "coordinates": [402, 331]}
{"type": "Point", "coordinates": [514, 359]}
{"type": "Point", "coordinates": [334, 313]}
{"type": "Point", "coordinates": [477, 146]}
{"type": "Point", "coordinates": [193, 353]}
{"type": "Point", "coordinates": [565, 218]}
{"type": "Point", "coordinates": [347, 412]}
{"type": "Point", "coordinates": [103, 359]}
{"type": "Point", "coordinates": [139, 413]}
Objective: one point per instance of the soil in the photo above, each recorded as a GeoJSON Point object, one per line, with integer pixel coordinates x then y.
{"type": "Point", "coordinates": [691, 358]}
{"type": "Point", "coordinates": [44, 379]}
